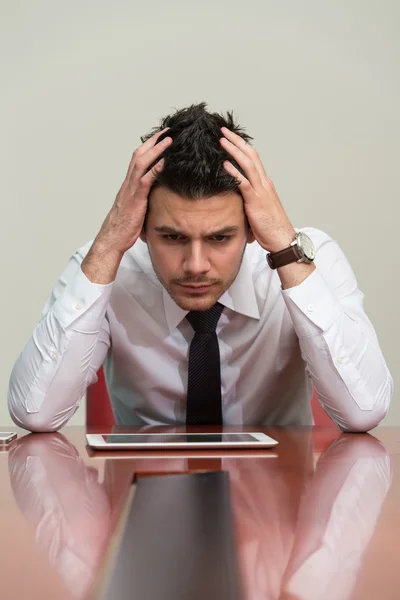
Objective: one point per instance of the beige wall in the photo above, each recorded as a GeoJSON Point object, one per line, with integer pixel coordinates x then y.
{"type": "Point", "coordinates": [316, 84]}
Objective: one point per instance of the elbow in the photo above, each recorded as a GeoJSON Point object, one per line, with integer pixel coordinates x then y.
{"type": "Point", "coordinates": [23, 413]}
{"type": "Point", "coordinates": [34, 406]}
{"type": "Point", "coordinates": [31, 421]}
{"type": "Point", "coordinates": [362, 421]}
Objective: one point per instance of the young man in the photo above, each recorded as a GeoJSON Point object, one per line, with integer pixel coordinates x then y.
{"type": "Point", "coordinates": [203, 302]}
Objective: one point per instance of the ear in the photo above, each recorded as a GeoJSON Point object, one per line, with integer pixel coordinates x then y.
{"type": "Point", "coordinates": [250, 237]}
{"type": "Point", "coordinates": [143, 235]}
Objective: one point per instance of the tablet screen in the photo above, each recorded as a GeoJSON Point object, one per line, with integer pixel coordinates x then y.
{"type": "Point", "coordinates": [177, 438]}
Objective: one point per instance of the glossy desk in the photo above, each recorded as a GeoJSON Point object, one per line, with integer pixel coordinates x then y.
{"type": "Point", "coordinates": [316, 518]}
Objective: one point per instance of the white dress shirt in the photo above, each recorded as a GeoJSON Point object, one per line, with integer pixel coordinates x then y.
{"type": "Point", "coordinates": [275, 345]}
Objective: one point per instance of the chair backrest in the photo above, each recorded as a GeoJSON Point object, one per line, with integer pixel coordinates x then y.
{"type": "Point", "coordinates": [99, 412]}
{"type": "Point", "coordinates": [321, 419]}
{"type": "Point", "coordinates": [98, 406]}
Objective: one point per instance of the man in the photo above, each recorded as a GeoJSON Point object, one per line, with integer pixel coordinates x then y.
{"type": "Point", "coordinates": [203, 302]}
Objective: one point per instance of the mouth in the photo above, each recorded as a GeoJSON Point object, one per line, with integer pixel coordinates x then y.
{"type": "Point", "coordinates": [196, 289]}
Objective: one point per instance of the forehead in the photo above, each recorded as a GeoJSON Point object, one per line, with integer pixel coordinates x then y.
{"type": "Point", "coordinates": [195, 216]}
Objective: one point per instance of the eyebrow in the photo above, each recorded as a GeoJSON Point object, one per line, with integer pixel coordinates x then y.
{"type": "Point", "coordinates": [172, 231]}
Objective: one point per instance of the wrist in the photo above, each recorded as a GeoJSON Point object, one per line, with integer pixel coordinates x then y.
{"type": "Point", "coordinates": [104, 249]}
{"type": "Point", "coordinates": [280, 241]}
{"type": "Point", "coordinates": [294, 274]}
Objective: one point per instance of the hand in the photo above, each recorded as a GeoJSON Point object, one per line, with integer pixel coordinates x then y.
{"type": "Point", "coordinates": [124, 222]}
{"type": "Point", "coordinates": [267, 217]}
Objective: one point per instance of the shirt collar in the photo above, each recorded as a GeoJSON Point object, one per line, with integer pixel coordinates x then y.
{"type": "Point", "coordinates": [239, 297]}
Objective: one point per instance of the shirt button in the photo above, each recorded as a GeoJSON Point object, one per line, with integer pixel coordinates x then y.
{"type": "Point", "coordinates": [54, 355]}
{"type": "Point", "coordinates": [310, 307]}
{"type": "Point", "coordinates": [78, 306]}
{"type": "Point", "coordinates": [340, 360]}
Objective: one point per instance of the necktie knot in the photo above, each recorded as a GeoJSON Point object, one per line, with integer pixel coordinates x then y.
{"type": "Point", "coordinates": [205, 321]}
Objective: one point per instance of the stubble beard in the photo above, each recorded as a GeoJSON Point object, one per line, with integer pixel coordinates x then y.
{"type": "Point", "coordinates": [189, 304]}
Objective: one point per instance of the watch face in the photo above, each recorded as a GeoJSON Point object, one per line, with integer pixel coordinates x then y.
{"type": "Point", "coordinates": [306, 246]}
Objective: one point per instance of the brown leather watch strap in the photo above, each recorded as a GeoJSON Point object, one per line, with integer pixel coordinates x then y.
{"type": "Point", "coordinates": [283, 257]}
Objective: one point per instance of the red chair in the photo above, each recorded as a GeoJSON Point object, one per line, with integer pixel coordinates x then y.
{"type": "Point", "coordinates": [99, 412]}
{"type": "Point", "coordinates": [321, 419]}
{"type": "Point", "coordinates": [98, 406]}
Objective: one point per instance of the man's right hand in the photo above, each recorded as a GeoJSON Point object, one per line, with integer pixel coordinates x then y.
{"type": "Point", "coordinates": [124, 222]}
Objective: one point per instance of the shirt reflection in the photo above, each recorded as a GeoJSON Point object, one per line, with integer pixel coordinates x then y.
{"type": "Point", "coordinates": [306, 541]}
{"type": "Point", "coordinates": [301, 532]}
{"type": "Point", "coordinates": [63, 500]}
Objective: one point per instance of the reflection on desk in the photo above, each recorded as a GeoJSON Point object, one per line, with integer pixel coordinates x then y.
{"type": "Point", "coordinates": [301, 533]}
{"type": "Point", "coordinates": [64, 502]}
{"type": "Point", "coordinates": [309, 546]}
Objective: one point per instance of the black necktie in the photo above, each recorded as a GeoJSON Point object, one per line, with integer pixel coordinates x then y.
{"type": "Point", "coordinates": [204, 380]}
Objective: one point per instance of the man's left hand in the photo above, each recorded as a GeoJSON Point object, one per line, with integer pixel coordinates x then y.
{"type": "Point", "coordinates": [267, 217]}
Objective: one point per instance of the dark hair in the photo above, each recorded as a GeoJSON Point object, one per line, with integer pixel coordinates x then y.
{"type": "Point", "coordinates": [193, 166]}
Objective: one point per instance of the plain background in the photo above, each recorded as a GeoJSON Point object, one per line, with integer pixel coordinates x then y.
{"type": "Point", "coordinates": [315, 83]}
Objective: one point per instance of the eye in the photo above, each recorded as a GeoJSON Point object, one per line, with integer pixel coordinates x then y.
{"type": "Point", "coordinates": [221, 238]}
{"type": "Point", "coordinates": [172, 237]}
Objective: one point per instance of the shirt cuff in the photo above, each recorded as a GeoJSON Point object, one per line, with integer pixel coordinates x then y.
{"type": "Point", "coordinates": [78, 297]}
{"type": "Point", "coordinates": [312, 303]}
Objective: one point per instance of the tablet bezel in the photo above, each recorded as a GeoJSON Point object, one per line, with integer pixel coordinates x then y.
{"type": "Point", "coordinates": [261, 440]}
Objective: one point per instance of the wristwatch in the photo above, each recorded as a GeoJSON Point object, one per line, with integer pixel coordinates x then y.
{"type": "Point", "coordinates": [301, 250]}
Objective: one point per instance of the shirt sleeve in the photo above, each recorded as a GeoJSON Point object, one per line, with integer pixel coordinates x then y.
{"type": "Point", "coordinates": [64, 353]}
{"type": "Point", "coordinates": [338, 342]}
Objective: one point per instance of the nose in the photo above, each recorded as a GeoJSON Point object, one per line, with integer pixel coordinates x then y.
{"type": "Point", "coordinates": [196, 261]}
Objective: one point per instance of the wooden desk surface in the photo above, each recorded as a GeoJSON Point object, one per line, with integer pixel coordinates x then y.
{"type": "Point", "coordinates": [321, 520]}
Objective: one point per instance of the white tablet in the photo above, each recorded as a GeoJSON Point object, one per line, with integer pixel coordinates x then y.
{"type": "Point", "coordinates": [178, 441]}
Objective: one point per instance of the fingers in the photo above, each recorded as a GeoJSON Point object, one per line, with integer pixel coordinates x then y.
{"type": "Point", "coordinates": [244, 161]}
{"type": "Point", "coordinates": [244, 154]}
{"type": "Point", "coordinates": [147, 153]}
{"type": "Point", "coordinates": [150, 142]}
{"type": "Point", "coordinates": [147, 181]}
{"type": "Point", "coordinates": [143, 162]}
{"type": "Point", "coordinates": [244, 184]}
{"type": "Point", "coordinates": [149, 178]}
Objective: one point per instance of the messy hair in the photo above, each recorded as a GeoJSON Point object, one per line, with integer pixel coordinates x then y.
{"type": "Point", "coordinates": [193, 166]}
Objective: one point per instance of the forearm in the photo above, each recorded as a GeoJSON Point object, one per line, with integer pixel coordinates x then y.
{"type": "Point", "coordinates": [56, 364]}
{"type": "Point", "coordinates": [101, 263]}
{"type": "Point", "coordinates": [62, 356]}
{"type": "Point", "coordinates": [342, 355]}
{"type": "Point", "coordinates": [47, 385]}
{"type": "Point", "coordinates": [349, 374]}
